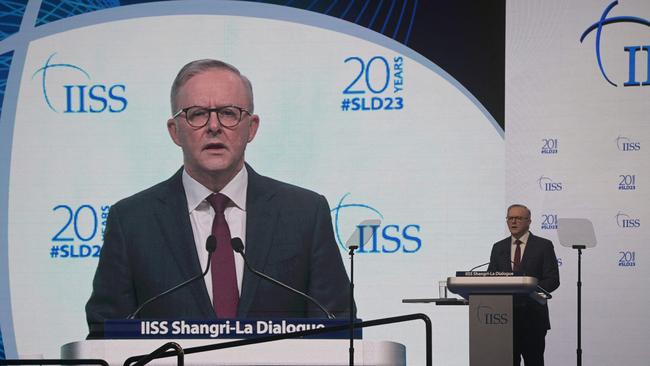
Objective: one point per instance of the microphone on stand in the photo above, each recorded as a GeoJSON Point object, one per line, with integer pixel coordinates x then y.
{"type": "Point", "coordinates": [238, 247]}
{"type": "Point", "coordinates": [210, 246]}
{"type": "Point", "coordinates": [485, 264]}
{"type": "Point", "coordinates": [479, 266]}
{"type": "Point", "coordinates": [353, 244]}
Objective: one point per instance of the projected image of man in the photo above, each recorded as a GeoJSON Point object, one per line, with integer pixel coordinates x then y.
{"type": "Point", "coordinates": [156, 239]}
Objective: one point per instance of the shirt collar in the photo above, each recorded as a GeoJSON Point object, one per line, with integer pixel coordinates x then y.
{"type": "Point", "coordinates": [196, 192]}
{"type": "Point", "coordinates": [523, 239]}
{"type": "Point", "coordinates": [236, 189]}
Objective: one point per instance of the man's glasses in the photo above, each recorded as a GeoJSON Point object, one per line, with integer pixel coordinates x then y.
{"type": "Point", "coordinates": [516, 218]}
{"type": "Point", "coordinates": [228, 116]}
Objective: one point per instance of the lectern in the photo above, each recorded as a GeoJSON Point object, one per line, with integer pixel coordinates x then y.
{"type": "Point", "coordinates": [490, 314]}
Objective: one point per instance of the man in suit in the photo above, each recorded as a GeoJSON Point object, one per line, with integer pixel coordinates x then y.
{"type": "Point", "coordinates": [534, 256]}
{"type": "Point", "coordinates": [156, 239]}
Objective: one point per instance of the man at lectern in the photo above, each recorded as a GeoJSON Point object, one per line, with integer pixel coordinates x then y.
{"type": "Point", "coordinates": [529, 255]}
{"type": "Point", "coordinates": [156, 239]}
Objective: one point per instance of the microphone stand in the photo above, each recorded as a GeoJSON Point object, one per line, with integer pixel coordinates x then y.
{"type": "Point", "coordinates": [238, 247]}
{"type": "Point", "coordinates": [352, 249]}
{"type": "Point", "coordinates": [579, 284]}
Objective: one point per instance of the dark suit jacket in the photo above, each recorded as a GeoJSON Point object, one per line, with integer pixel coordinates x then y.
{"type": "Point", "coordinates": [539, 261]}
{"type": "Point", "coordinates": [149, 247]}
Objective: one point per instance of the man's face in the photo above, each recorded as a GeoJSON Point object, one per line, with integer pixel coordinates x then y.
{"type": "Point", "coordinates": [518, 221]}
{"type": "Point", "coordinates": [213, 150]}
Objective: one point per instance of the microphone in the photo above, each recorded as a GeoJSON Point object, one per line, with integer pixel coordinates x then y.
{"type": "Point", "coordinates": [479, 266]}
{"type": "Point", "coordinates": [485, 264]}
{"type": "Point", "coordinates": [238, 246]}
{"type": "Point", "coordinates": [210, 246]}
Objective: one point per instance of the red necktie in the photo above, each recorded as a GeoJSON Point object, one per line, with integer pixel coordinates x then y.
{"type": "Point", "coordinates": [517, 260]}
{"type": "Point", "coordinates": [225, 294]}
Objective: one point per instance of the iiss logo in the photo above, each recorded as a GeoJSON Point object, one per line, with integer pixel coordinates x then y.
{"type": "Point", "coordinates": [627, 144]}
{"type": "Point", "coordinates": [548, 185]}
{"type": "Point", "coordinates": [78, 94]}
{"type": "Point", "coordinates": [486, 315]}
{"type": "Point", "coordinates": [632, 50]}
{"type": "Point", "coordinates": [624, 221]}
{"type": "Point", "coordinates": [375, 237]}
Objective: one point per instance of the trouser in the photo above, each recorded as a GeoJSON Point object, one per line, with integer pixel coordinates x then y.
{"type": "Point", "coordinates": [528, 340]}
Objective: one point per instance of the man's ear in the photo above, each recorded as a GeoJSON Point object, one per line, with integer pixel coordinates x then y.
{"type": "Point", "coordinates": [172, 128]}
{"type": "Point", "coordinates": [253, 125]}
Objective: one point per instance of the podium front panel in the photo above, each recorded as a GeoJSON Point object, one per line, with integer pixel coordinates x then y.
{"type": "Point", "coordinates": [490, 330]}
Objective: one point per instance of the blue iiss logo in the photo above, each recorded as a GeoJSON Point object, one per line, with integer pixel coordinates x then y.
{"type": "Point", "coordinates": [78, 92]}
{"type": "Point", "coordinates": [634, 51]}
{"type": "Point", "coordinates": [375, 236]}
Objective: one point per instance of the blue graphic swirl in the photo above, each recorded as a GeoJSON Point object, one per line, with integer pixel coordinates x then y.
{"type": "Point", "coordinates": [542, 180]}
{"type": "Point", "coordinates": [49, 66]}
{"type": "Point", "coordinates": [622, 139]}
{"type": "Point", "coordinates": [336, 210]}
{"type": "Point", "coordinates": [599, 28]}
{"type": "Point", "coordinates": [618, 218]}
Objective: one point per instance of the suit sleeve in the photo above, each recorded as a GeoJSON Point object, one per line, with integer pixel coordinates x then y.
{"type": "Point", "coordinates": [328, 281]}
{"type": "Point", "coordinates": [551, 274]}
{"type": "Point", "coordinates": [113, 296]}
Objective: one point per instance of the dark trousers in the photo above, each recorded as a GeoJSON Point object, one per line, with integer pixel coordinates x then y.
{"type": "Point", "coordinates": [528, 339]}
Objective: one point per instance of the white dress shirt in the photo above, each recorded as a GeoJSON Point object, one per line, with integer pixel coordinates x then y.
{"type": "Point", "coordinates": [202, 214]}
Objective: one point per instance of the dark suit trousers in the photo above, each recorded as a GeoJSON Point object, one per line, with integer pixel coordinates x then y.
{"type": "Point", "coordinates": [528, 337]}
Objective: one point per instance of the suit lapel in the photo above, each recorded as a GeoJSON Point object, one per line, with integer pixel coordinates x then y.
{"type": "Point", "coordinates": [506, 255]}
{"type": "Point", "coordinates": [261, 217]}
{"type": "Point", "coordinates": [529, 252]}
{"type": "Point", "coordinates": [176, 228]}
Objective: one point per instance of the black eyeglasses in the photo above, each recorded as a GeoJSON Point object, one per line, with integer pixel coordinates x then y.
{"type": "Point", "coordinates": [228, 116]}
{"type": "Point", "coordinates": [517, 218]}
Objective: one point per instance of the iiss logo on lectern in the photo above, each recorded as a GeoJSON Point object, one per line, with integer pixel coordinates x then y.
{"type": "Point", "coordinates": [634, 51]}
{"type": "Point", "coordinates": [78, 93]}
{"type": "Point", "coordinates": [486, 315]}
{"type": "Point", "coordinates": [378, 237]}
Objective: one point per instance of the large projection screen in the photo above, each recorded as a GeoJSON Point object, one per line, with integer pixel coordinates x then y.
{"type": "Point", "coordinates": [348, 108]}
